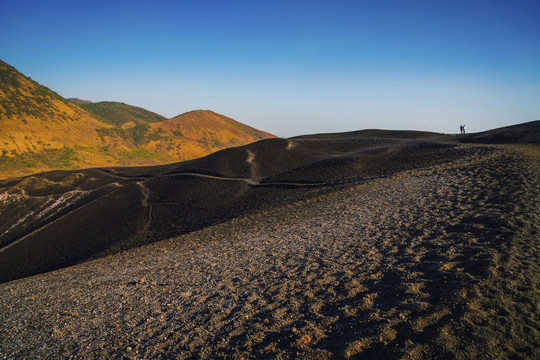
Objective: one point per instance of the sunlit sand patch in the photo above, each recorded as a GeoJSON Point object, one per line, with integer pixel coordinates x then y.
{"type": "Point", "coordinates": [291, 144]}
{"type": "Point", "coordinates": [357, 347]}
{"type": "Point", "coordinates": [251, 157]}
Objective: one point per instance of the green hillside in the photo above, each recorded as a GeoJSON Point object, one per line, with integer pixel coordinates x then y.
{"type": "Point", "coordinates": [118, 114]}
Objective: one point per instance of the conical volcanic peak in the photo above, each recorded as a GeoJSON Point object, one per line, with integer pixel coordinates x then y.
{"type": "Point", "coordinates": [199, 133]}
{"type": "Point", "coordinates": [200, 122]}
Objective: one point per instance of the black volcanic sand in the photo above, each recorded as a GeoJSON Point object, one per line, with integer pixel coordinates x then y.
{"type": "Point", "coordinates": [60, 218]}
{"type": "Point", "coordinates": [421, 257]}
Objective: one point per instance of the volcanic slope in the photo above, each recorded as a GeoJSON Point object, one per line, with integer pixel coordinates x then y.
{"type": "Point", "coordinates": [54, 219]}
{"type": "Point", "coordinates": [199, 133]}
{"type": "Point", "coordinates": [35, 118]}
{"type": "Point", "coordinates": [42, 131]}
{"type": "Point", "coordinates": [190, 135]}
{"type": "Point", "coordinates": [402, 247]}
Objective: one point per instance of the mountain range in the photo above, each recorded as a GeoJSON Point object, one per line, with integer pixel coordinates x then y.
{"type": "Point", "coordinates": [40, 131]}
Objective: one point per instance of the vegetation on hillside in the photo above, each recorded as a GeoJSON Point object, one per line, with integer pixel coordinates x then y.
{"type": "Point", "coordinates": [139, 134]}
{"type": "Point", "coordinates": [117, 114]}
{"type": "Point", "coordinates": [78, 157]}
{"type": "Point", "coordinates": [41, 131]}
{"type": "Point", "coordinates": [13, 103]}
{"type": "Point", "coordinates": [46, 159]}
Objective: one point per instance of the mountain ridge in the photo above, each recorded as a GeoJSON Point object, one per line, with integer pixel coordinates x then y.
{"type": "Point", "coordinates": [42, 131]}
{"type": "Point", "coordinates": [118, 113]}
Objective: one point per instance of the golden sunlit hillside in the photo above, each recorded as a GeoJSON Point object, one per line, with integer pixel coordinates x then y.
{"type": "Point", "coordinates": [35, 118]}
{"type": "Point", "coordinates": [198, 133]}
{"type": "Point", "coordinates": [41, 131]}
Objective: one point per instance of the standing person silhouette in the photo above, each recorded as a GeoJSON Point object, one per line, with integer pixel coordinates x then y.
{"type": "Point", "coordinates": [461, 129]}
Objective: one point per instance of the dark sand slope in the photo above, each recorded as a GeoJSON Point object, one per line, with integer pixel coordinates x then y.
{"type": "Point", "coordinates": [55, 219]}
{"type": "Point", "coordinates": [440, 262]}
{"type": "Point", "coordinates": [431, 255]}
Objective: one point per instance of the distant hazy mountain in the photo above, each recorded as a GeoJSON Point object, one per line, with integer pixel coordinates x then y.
{"type": "Point", "coordinates": [40, 131]}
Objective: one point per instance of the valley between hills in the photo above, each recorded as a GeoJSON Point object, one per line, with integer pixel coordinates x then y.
{"type": "Point", "coordinates": [371, 244]}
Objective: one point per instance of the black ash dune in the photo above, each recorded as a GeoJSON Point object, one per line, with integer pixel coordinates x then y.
{"type": "Point", "coordinates": [363, 245]}
{"type": "Point", "coordinates": [55, 219]}
{"type": "Point", "coordinates": [527, 133]}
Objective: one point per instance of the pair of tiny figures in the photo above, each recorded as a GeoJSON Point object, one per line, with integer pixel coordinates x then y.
{"type": "Point", "coordinates": [462, 129]}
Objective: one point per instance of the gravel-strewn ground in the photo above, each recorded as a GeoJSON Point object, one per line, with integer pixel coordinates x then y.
{"type": "Point", "coordinates": [441, 262]}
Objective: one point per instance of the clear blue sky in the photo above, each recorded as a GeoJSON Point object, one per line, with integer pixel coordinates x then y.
{"type": "Point", "coordinates": [290, 67]}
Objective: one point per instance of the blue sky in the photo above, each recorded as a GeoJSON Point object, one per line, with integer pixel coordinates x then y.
{"type": "Point", "coordinates": [290, 67]}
